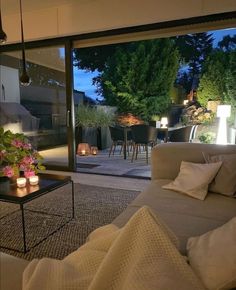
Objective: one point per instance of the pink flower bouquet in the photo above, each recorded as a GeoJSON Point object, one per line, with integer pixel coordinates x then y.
{"type": "Point", "coordinates": [17, 154]}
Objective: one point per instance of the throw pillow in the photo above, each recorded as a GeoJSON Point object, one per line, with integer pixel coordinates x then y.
{"type": "Point", "coordinates": [213, 256]}
{"type": "Point", "coordinates": [194, 178]}
{"type": "Point", "coordinates": [225, 180]}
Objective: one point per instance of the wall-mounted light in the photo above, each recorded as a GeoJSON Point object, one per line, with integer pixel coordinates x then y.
{"type": "Point", "coordinates": [24, 78]}
{"type": "Point", "coordinates": [3, 36]}
{"type": "Point", "coordinates": [223, 112]}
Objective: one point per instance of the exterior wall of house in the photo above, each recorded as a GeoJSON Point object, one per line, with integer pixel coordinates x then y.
{"type": "Point", "coordinates": [9, 84]}
{"type": "Point", "coordinates": [98, 15]}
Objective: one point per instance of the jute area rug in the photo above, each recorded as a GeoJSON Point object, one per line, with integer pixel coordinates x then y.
{"type": "Point", "coordinates": [94, 207]}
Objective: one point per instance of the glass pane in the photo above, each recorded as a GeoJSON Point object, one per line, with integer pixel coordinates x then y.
{"type": "Point", "coordinates": [38, 110]}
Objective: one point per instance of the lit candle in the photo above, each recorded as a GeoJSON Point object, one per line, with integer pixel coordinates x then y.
{"type": "Point", "coordinates": [83, 152]}
{"type": "Point", "coordinates": [21, 181]}
{"type": "Point", "coordinates": [34, 180]}
{"type": "Point", "coordinates": [94, 150]}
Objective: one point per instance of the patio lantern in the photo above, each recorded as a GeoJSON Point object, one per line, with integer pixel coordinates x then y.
{"type": "Point", "coordinates": [94, 150]}
{"type": "Point", "coordinates": [164, 122]}
{"type": "Point", "coordinates": [83, 149]}
{"type": "Point", "coordinates": [223, 112]}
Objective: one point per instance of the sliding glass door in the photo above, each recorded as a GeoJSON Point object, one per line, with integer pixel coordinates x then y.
{"type": "Point", "coordinates": [41, 110]}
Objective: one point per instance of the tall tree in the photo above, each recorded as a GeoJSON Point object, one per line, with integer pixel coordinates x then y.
{"type": "Point", "coordinates": [93, 58]}
{"type": "Point", "coordinates": [212, 82]}
{"type": "Point", "coordinates": [184, 81]}
{"type": "Point", "coordinates": [194, 49]}
{"type": "Point", "coordinates": [228, 43]}
{"type": "Point", "coordinates": [218, 79]}
{"type": "Point", "coordinates": [230, 79]}
{"type": "Point", "coordinates": [139, 80]}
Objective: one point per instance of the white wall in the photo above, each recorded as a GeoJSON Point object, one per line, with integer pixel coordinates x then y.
{"type": "Point", "coordinates": [9, 85]}
{"type": "Point", "coordinates": [86, 16]}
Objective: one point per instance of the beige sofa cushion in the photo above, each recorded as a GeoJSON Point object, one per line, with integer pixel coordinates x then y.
{"type": "Point", "coordinates": [167, 157]}
{"type": "Point", "coordinates": [194, 178]}
{"type": "Point", "coordinates": [184, 215]}
{"type": "Point", "coordinates": [11, 272]}
{"type": "Point", "coordinates": [213, 257]}
{"type": "Point", "coordinates": [225, 180]}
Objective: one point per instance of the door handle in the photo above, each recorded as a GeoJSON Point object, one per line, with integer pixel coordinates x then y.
{"type": "Point", "coordinates": [68, 118]}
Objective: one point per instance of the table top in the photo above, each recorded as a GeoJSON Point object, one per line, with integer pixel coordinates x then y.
{"type": "Point", "coordinates": [169, 128]}
{"type": "Point", "coordinates": [47, 183]}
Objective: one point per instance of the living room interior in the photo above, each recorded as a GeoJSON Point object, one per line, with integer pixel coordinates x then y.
{"type": "Point", "coordinates": [110, 205]}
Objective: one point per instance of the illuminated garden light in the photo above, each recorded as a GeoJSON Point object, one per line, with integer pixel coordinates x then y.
{"type": "Point", "coordinates": [223, 112]}
{"type": "Point", "coordinates": [164, 122]}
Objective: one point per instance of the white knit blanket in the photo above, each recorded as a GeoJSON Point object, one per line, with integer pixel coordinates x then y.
{"type": "Point", "coordinates": [140, 256]}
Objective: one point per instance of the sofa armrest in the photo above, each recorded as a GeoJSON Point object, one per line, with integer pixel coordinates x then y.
{"type": "Point", "coordinates": [11, 272]}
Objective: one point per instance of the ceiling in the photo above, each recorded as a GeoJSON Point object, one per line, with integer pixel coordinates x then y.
{"type": "Point", "coordinates": [12, 6]}
{"type": "Point", "coordinates": [50, 57]}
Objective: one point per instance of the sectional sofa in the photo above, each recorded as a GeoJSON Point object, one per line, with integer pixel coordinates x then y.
{"type": "Point", "coordinates": [185, 215]}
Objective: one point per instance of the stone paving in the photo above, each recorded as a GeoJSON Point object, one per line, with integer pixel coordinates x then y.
{"type": "Point", "coordinates": [115, 164]}
{"type": "Point", "coordinates": [102, 163]}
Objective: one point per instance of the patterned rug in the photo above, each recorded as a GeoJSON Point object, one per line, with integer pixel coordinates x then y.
{"type": "Point", "coordinates": [94, 207]}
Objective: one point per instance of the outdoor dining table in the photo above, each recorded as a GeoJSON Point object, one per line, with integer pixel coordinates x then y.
{"type": "Point", "coordinates": [126, 129]}
{"type": "Point", "coordinates": [166, 131]}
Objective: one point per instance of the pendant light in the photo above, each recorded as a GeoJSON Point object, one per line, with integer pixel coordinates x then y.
{"type": "Point", "coordinates": [24, 78]}
{"type": "Point", "coordinates": [3, 36]}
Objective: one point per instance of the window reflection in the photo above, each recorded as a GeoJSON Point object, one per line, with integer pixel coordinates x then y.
{"type": "Point", "coordinates": [39, 110]}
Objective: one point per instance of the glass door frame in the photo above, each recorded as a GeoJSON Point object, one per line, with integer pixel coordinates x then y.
{"type": "Point", "coordinates": [70, 118]}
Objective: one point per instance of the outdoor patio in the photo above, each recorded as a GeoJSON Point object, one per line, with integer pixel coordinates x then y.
{"type": "Point", "coordinates": [102, 163]}
{"type": "Point", "coordinates": [115, 164]}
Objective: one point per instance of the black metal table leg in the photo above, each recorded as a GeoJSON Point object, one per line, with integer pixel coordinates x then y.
{"type": "Point", "coordinates": [23, 226]}
{"type": "Point", "coordinates": [166, 136]}
{"type": "Point", "coordinates": [73, 199]}
{"type": "Point", "coordinates": [125, 143]}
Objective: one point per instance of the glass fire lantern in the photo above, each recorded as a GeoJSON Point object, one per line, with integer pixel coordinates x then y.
{"type": "Point", "coordinates": [94, 150]}
{"type": "Point", "coordinates": [83, 149]}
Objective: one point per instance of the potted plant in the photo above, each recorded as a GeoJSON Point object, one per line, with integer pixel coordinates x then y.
{"type": "Point", "coordinates": [92, 125]}
{"type": "Point", "coordinates": [207, 137]}
{"type": "Point", "coordinates": [155, 121]}
{"type": "Point", "coordinates": [17, 155]}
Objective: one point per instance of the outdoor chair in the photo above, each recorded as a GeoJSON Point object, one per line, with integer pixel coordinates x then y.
{"type": "Point", "coordinates": [118, 138]}
{"type": "Point", "coordinates": [143, 135]}
{"type": "Point", "coordinates": [184, 134]}
{"type": "Point", "coordinates": [193, 133]}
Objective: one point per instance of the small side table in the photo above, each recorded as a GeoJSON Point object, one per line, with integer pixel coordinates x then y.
{"type": "Point", "coordinates": [21, 196]}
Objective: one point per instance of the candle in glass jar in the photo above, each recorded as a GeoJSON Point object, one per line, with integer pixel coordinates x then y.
{"type": "Point", "coordinates": [34, 180]}
{"type": "Point", "coordinates": [83, 152]}
{"type": "Point", "coordinates": [21, 181]}
{"type": "Point", "coordinates": [94, 150]}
